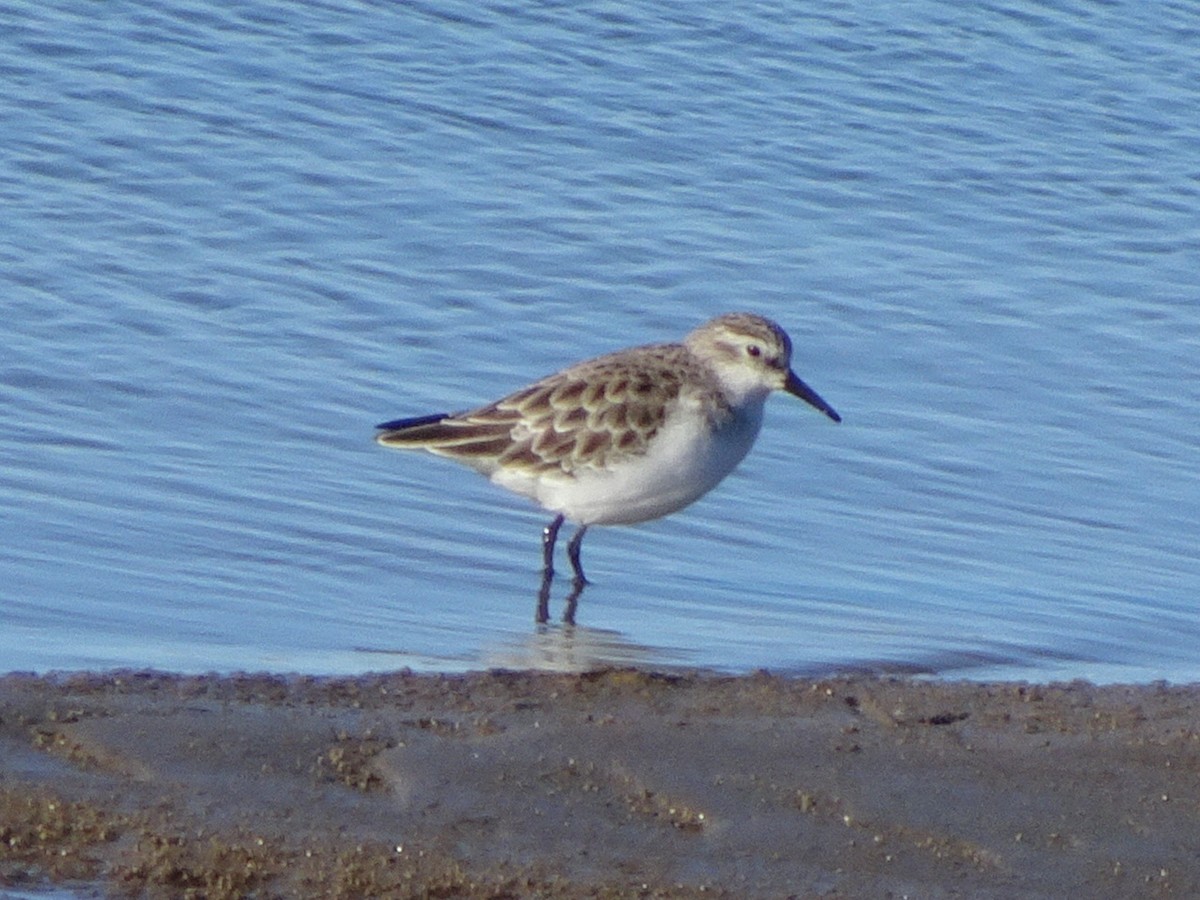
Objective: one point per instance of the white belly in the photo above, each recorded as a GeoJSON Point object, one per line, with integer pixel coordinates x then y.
{"type": "Point", "coordinates": [686, 459]}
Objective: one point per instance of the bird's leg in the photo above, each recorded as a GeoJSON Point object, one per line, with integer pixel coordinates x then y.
{"type": "Point", "coordinates": [549, 536]}
{"type": "Point", "coordinates": [542, 616]}
{"type": "Point", "coordinates": [572, 602]}
{"type": "Point", "coordinates": [578, 583]}
{"type": "Point", "coordinates": [573, 555]}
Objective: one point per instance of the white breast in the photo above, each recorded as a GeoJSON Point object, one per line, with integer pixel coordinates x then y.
{"type": "Point", "coordinates": [686, 459]}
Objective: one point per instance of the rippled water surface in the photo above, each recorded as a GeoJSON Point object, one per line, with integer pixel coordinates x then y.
{"type": "Point", "coordinates": [236, 237]}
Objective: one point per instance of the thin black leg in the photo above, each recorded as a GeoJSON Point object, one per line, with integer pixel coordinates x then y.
{"type": "Point", "coordinates": [573, 554]}
{"type": "Point", "coordinates": [572, 602]}
{"type": "Point", "coordinates": [549, 536]}
{"type": "Point", "coordinates": [542, 616]}
{"type": "Point", "coordinates": [580, 580]}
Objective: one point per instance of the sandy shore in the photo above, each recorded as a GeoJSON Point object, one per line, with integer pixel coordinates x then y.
{"type": "Point", "coordinates": [612, 784]}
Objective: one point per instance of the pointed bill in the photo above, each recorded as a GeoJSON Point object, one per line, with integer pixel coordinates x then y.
{"type": "Point", "coordinates": [797, 388]}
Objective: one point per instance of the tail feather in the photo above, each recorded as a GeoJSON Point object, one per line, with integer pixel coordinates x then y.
{"type": "Point", "coordinates": [412, 422]}
{"type": "Point", "coordinates": [482, 439]}
{"type": "Point", "coordinates": [459, 437]}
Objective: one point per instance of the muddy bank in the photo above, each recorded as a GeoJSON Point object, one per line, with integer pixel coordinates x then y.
{"type": "Point", "coordinates": [618, 783]}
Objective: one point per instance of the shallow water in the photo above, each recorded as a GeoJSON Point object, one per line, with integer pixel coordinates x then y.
{"type": "Point", "coordinates": [234, 240]}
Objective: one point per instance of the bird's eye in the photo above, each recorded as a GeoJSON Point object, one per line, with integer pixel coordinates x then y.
{"type": "Point", "coordinates": [754, 350]}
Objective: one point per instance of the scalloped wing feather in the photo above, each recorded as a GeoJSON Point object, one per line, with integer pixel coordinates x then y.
{"type": "Point", "coordinates": [591, 415]}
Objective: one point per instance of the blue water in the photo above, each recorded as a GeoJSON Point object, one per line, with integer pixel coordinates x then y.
{"type": "Point", "coordinates": [235, 237]}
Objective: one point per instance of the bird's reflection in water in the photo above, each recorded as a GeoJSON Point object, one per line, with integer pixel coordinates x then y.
{"type": "Point", "coordinates": [577, 648]}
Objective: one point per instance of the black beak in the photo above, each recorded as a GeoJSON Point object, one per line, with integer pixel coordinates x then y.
{"type": "Point", "coordinates": [797, 388]}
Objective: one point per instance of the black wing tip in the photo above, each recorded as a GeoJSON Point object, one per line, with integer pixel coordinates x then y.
{"type": "Point", "coordinates": [413, 422]}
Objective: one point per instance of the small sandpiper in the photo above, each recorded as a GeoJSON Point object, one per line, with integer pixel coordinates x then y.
{"type": "Point", "coordinates": [622, 438]}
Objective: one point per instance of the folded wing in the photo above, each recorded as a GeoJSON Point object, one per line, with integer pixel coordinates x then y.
{"type": "Point", "coordinates": [588, 416]}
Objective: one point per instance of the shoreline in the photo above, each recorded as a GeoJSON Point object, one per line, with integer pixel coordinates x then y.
{"type": "Point", "coordinates": [612, 783]}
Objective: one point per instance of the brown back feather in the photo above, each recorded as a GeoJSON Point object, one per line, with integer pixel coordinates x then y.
{"type": "Point", "coordinates": [590, 414]}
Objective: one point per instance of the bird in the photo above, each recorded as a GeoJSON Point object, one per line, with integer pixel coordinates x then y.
{"type": "Point", "coordinates": [623, 438]}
